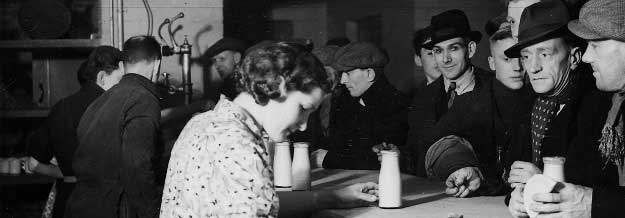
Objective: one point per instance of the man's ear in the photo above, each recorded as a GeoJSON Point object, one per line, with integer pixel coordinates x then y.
{"type": "Point", "coordinates": [491, 63]}
{"type": "Point", "coordinates": [99, 78]}
{"type": "Point", "coordinates": [417, 61]}
{"type": "Point", "coordinates": [576, 57]}
{"type": "Point", "coordinates": [120, 65]}
{"type": "Point", "coordinates": [157, 65]}
{"type": "Point", "coordinates": [472, 47]}
{"type": "Point", "coordinates": [370, 74]}
{"type": "Point", "coordinates": [237, 58]}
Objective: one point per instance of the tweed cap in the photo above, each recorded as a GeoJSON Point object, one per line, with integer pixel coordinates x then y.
{"type": "Point", "coordinates": [325, 54]}
{"type": "Point", "coordinates": [600, 19]}
{"type": "Point", "coordinates": [226, 44]}
{"type": "Point", "coordinates": [359, 55]}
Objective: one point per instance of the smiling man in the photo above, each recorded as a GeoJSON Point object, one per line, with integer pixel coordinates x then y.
{"type": "Point", "coordinates": [459, 103]}
{"type": "Point", "coordinates": [370, 113]}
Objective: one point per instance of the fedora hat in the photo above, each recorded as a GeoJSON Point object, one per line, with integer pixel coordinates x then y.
{"type": "Point", "coordinates": [542, 21]}
{"type": "Point", "coordinates": [451, 24]}
{"type": "Point", "coordinates": [603, 19]}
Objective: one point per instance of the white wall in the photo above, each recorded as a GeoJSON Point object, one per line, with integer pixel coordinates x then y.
{"type": "Point", "coordinates": [200, 16]}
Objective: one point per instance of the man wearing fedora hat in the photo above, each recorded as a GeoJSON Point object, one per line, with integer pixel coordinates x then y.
{"type": "Point", "coordinates": [551, 56]}
{"type": "Point", "coordinates": [602, 24]}
{"type": "Point", "coordinates": [456, 103]}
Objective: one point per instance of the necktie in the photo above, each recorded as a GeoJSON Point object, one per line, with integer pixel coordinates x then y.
{"type": "Point", "coordinates": [451, 94]}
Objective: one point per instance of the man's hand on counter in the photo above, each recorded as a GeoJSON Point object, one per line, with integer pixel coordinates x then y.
{"type": "Point", "coordinates": [316, 158]}
{"type": "Point", "coordinates": [463, 181]}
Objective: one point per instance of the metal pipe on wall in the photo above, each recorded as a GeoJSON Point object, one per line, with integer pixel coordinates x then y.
{"type": "Point", "coordinates": [120, 24]}
{"type": "Point", "coordinates": [185, 50]}
{"type": "Point", "coordinates": [112, 22]}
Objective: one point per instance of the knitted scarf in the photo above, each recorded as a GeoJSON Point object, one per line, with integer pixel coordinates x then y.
{"type": "Point", "coordinates": [545, 109]}
{"type": "Point", "coordinates": [612, 142]}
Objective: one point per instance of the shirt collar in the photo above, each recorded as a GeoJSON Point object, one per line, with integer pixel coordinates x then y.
{"type": "Point", "coordinates": [229, 108]}
{"type": "Point", "coordinates": [464, 84]}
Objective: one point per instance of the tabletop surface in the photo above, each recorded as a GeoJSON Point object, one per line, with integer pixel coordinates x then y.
{"type": "Point", "coordinates": [421, 198]}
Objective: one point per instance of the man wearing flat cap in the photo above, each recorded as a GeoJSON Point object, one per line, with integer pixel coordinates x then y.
{"type": "Point", "coordinates": [551, 56]}
{"type": "Point", "coordinates": [602, 24]}
{"type": "Point", "coordinates": [226, 54]}
{"type": "Point", "coordinates": [370, 113]}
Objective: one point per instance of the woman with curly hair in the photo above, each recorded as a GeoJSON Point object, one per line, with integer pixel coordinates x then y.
{"type": "Point", "coordinates": [220, 165]}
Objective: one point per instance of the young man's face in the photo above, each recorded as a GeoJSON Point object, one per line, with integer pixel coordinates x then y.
{"type": "Point", "coordinates": [426, 60]}
{"type": "Point", "coordinates": [546, 63]}
{"type": "Point", "coordinates": [357, 81]}
{"type": "Point", "coordinates": [515, 9]}
{"type": "Point", "coordinates": [452, 57]}
{"type": "Point", "coordinates": [507, 70]}
{"type": "Point", "coordinates": [607, 59]}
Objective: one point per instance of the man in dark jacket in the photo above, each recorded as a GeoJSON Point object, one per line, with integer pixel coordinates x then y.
{"type": "Point", "coordinates": [602, 23]}
{"type": "Point", "coordinates": [56, 138]}
{"type": "Point", "coordinates": [115, 163]}
{"type": "Point", "coordinates": [369, 113]}
{"type": "Point", "coordinates": [423, 57]}
{"type": "Point", "coordinates": [551, 56]}
{"type": "Point", "coordinates": [440, 109]}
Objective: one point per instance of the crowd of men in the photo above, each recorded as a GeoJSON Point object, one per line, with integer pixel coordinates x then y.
{"type": "Point", "coordinates": [555, 88]}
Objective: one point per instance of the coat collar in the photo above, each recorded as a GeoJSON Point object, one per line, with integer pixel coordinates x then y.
{"type": "Point", "coordinates": [374, 93]}
{"type": "Point", "coordinates": [91, 87]}
{"type": "Point", "coordinates": [141, 81]}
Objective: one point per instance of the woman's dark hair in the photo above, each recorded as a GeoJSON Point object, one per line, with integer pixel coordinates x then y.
{"type": "Point", "coordinates": [262, 68]}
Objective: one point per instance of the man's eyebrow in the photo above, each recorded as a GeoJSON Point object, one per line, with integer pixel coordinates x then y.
{"type": "Point", "coordinates": [548, 49]}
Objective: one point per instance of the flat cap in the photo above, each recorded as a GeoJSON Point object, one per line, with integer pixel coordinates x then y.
{"type": "Point", "coordinates": [359, 55]}
{"type": "Point", "coordinates": [226, 44]}
{"type": "Point", "coordinates": [325, 54]}
{"type": "Point", "coordinates": [600, 19]}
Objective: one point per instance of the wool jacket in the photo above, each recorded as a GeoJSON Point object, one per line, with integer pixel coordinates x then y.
{"type": "Point", "coordinates": [116, 160]}
{"type": "Point", "coordinates": [487, 117]}
{"type": "Point", "coordinates": [355, 129]}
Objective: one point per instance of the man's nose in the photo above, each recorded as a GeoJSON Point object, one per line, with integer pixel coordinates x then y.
{"type": "Point", "coordinates": [516, 65]}
{"type": "Point", "coordinates": [344, 78]}
{"type": "Point", "coordinates": [533, 66]}
{"type": "Point", "coordinates": [587, 57]}
{"type": "Point", "coordinates": [446, 57]}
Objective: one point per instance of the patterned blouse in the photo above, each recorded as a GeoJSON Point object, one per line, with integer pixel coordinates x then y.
{"type": "Point", "coordinates": [220, 167]}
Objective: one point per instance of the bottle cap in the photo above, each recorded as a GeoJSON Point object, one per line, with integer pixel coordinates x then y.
{"type": "Point", "coordinates": [554, 160]}
{"type": "Point", "coordinates": [301, 144]}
